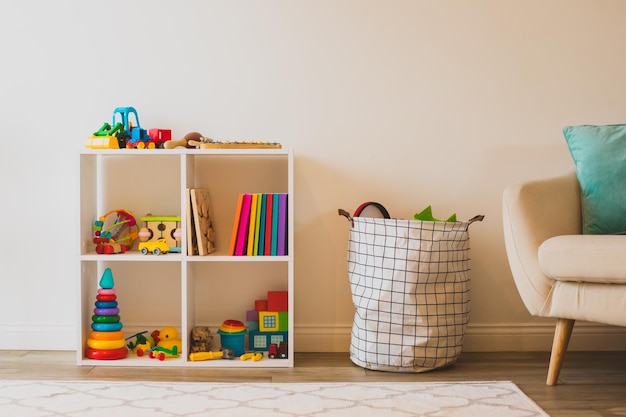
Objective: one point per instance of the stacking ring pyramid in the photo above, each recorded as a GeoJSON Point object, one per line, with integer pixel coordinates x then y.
{"type": "Point", "coordinates": [106, 339]}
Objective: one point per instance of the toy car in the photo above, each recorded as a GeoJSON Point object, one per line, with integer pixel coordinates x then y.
{"type": "Point", "coordinates": [160, 353]}
{"type": "Point", "coordinates": [157, 247]}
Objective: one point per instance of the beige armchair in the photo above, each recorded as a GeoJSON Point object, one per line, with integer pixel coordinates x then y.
{"type": "Point", "coordinates": [558, 271]}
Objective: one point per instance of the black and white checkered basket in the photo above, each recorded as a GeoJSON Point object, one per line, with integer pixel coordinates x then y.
{"type": "Point", "coordinates": [410, 283]}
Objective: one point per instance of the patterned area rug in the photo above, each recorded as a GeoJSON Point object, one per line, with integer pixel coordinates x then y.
{"type": "Point", "coordinates": [161, 399]}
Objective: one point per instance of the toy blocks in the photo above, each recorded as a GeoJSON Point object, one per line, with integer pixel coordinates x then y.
{"type": "Point", "coordinates": [277, 301]}
{"type": "Point", "coordinates": [268, 323]}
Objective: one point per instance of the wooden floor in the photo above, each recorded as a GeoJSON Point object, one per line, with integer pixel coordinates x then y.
{"type": "Point", "coordinates": [591, 383]}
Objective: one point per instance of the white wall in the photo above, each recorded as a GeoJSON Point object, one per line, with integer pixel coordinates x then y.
{"type": "Point", "coordinates": [408, 103]}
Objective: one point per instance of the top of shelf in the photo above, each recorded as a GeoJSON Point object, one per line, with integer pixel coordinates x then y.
{"type": "Point", "coordinates": [185, 151]}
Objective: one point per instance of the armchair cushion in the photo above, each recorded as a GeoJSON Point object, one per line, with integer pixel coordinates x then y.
{"type": "Point", "coordinates": [599, 153]}
{"type": "Point", "coordinates": [583, 258]}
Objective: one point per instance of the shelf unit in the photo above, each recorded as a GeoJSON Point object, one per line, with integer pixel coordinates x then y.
{"type": "Point", "coordinates": [176, 289]}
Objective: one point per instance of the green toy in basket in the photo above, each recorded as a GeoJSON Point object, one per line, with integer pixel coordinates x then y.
{"type": "Point", "coordinates": [427, 216]}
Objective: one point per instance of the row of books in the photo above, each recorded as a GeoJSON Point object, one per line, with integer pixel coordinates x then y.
{"type": "Point", "coordinates": [260, 227]}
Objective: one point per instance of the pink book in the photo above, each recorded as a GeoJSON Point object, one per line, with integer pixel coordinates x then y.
{"type": "Point", "coordinates": [268, 226]}
{"type": "Point", "coordinates": [244, 220]}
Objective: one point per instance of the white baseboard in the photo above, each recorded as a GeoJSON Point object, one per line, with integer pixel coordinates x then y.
{"type": "Point", "coordinates": [37, 337]}
{"type": "Point", "coordinates": [478, 338]}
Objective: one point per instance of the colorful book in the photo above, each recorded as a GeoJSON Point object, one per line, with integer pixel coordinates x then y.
{"type": "Point", "coordinates": [261, 249]}
{"type": "Point", "coordinates": [233, 236]}
{"type": "Point", "coordinates": [267, 250]}
{"type": "Point", "coordinates": [244, 221]}
{"type": "Point", "coordinates": [282, 225]}
{"type": "Point", "coordinates": [274, 249]}
{"type": "Point", "coordinates": [252, 225]}
{"type": "Point", "coordinates": [257, 226]}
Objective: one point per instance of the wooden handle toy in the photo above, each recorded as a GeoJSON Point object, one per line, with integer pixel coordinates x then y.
{"type": "Point", "coordinates": [171, 144]}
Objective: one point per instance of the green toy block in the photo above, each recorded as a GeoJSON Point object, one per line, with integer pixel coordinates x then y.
{"type": "Point", "coordinates": [283, 321]}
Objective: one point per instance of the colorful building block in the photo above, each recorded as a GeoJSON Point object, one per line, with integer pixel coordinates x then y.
{"type": "Point", "coordinates": [268, 321]}
{"type": "Point", "coordinates": [252, 315]}
{"type": "Point", "coordinates": [260, 341]}
{"type": "Point", "coordinates": [283, 321]}
{"type": "Point", "coordinates": [277, 301]}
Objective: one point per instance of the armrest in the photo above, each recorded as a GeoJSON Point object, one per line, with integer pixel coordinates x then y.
{"type": "Point", "coordinates": [533, 212]}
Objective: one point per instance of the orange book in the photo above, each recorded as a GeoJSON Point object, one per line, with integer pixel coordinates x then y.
{"type": "Point", "coordinates": [233, 236]}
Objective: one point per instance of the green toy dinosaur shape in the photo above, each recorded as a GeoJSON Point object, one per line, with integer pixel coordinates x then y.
{"type": "Point", "coordinates": [427, 215]}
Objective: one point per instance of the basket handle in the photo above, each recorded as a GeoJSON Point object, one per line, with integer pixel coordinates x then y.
{"type": "Point", "coordinates": [344, 213]}
{"type": "Point", "coordinates": [478, 218]}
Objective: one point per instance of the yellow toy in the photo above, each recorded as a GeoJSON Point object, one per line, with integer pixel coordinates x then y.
{"type": "Point", "coordinates": [169, 339]}
{"type": "Point", "coordinates": [205, 356]}
{"type": "Point", "coordinates": [255, 356]}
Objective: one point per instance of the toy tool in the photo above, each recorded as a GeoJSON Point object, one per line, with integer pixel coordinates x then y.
{"type": "Point", "coordinates": [204, 356]}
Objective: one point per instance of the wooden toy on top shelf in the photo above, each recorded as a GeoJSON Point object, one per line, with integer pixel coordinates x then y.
{"type": "Point", "coordinates": [207, 143]}
{"type": "Point", "coordinates": [160, 232]}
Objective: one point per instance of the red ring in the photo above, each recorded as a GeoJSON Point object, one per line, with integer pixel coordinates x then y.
{"type": "Point", "coordinates": [99, 354]}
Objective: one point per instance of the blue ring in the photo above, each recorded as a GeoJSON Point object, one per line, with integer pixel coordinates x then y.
{"type": "Point", "coordinates": [106, 327]}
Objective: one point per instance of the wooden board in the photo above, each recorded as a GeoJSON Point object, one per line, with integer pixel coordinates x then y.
{"type": "Point", "coordinates": [203, 220]}
{"type": "Point", "coordinates": [192, 242]}
{"type": "Point", "coordinates": [240, 145]}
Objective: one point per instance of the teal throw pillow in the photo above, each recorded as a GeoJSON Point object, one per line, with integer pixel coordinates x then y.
{"type": "Point", "coordinates": [599, 154]}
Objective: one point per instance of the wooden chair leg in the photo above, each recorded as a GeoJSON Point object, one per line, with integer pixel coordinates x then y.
{"type": "Point", "coordinates": [562, 335]}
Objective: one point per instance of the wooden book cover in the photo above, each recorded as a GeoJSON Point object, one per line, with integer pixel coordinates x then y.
{"type": "Point", "coordinates": [192, 243]}
{"type": "Point", "coordinates": [233, 236]}
{"type": "Point", "coordinates": [203, 220]}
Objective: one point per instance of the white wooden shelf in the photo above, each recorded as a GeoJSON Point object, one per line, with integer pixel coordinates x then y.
{"type": "Point", "coordinates": [176, 289]}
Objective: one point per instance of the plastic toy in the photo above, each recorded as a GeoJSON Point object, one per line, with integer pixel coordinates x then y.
{"type": "Point", "coordinates": [121, 133]}
{"type": "Point", "coordinates": [106, 335]}
{"type": "Point", "coordinates": [106, 339]}
{"type": "Point", "coordinates": [225, 353]}
{"type": "Point", "coordinates": [254, 356]}
{"type": "Point", "coordinates": [100, 354]}
{"type": "Point", "coordinates": [232, 334]}
{"type": "Point", "coordinates": [105, 319]}
{"type": "Point", "coordinates": [168, 339]}
{"type": "Point", "coordinates": [160, 352]}
{"type": "Point", "coordinates": [278, 351]}
{"type": "Point", "coordinates": [116, 236]}
{"type": "Point", "coordinates": [140, 344]}
{"type": "Point", "coordinates": [106, 344]}
{"type": "Point", "coordinates": [157, 247]}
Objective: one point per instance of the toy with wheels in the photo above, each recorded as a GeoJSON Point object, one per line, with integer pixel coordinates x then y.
{"type": "Point", "coordinates": [115, 232]}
